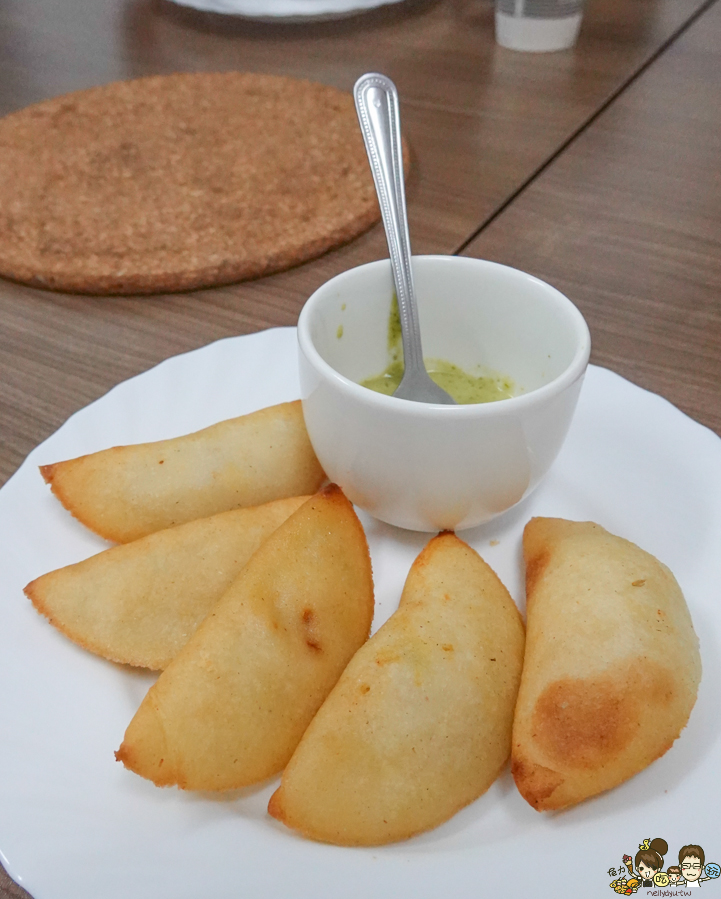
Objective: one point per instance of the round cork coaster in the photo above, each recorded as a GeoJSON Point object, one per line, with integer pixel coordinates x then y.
{"type": "Point", "coordinates": [177, 182]}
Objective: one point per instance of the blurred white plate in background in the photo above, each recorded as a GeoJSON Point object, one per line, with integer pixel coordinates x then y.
{"type": "Point", "coordinates": [285, 9]}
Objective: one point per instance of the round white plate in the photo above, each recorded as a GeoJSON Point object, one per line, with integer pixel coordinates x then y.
{"type": "Point", "coordinates": [74, 824]}
{"type": "Point", "coordinates": [286, 9]}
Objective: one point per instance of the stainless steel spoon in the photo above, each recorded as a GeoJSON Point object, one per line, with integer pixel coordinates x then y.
{"type": "Point", "coordinates": [376, 100]}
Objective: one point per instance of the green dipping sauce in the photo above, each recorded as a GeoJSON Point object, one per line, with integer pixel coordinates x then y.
{"type": "Point", "coordinates": [464, 387]}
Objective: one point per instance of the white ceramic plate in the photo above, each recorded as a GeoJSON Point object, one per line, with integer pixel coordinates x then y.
{"type": "Point", "coordinates": [75, 825]}
{"type": "Point", "coordinates": [286, 9]}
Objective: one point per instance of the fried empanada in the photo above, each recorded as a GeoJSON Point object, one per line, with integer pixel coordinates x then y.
{"type": "Point", "coordinates": [231, 707]}
{"type": "Point", "coordinates": [612, 663]}
{"type": "Point", "coordinates": [139, 603]}
{"type": "Point", "coordinates": [126, 492]}
{"type": "Point", "coordinates": [419, 724]}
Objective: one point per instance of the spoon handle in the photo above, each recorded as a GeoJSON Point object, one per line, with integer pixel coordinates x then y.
{"type": "Point", "coordinates": [376, 100]}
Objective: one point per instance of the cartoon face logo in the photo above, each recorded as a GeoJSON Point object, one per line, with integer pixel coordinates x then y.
{"type": "Point", "coordinates": [646, 868]}
{"type": "Point", "coordinates": [691, 868]}
{"type": "Point", "coordinates": [645, 872]}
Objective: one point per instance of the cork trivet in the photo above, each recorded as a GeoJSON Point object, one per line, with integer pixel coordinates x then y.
{"type": "Point", "coordinates": [177, 182]}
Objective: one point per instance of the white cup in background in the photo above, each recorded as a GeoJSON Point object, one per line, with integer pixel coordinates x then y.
{"type": "Point", "coordinates": [538, 26]}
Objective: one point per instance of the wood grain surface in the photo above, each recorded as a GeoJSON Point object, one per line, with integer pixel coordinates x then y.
{"type": "Point", "coordinates": [627, 223]}
{"type": "Point", "coordinates": [480, 121]}
{"type": "Point", "coordinates": [622, 214]}
{"type": "Point", "coordinates": [9, 889]}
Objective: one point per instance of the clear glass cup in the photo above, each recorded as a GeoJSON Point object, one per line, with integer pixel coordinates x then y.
{"type": "Point", "coordinates": [538, 26]}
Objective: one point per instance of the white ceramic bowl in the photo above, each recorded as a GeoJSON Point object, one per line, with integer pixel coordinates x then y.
{"type": "Point", "coordinates": [431, 467]}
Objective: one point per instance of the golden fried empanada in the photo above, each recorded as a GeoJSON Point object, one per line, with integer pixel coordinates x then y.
{"type": "Point", "coordinates": [139, 603]}
{"type": "Point", "coordinates": [419, 724]}
{"type": "Point", "coordinates": [231, 707]}
{"type": "Point", "coordinates": [612, 663]}
{"type": "Point", "coordinates": [126, 492]}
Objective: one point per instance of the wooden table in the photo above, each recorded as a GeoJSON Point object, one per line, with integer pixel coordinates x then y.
{"type": "Point", "coordinates": [596, 169]}
{"type": "Point", "coordinates": [627, 222]}
{"type": "Point", "coordinates": [481, 121]}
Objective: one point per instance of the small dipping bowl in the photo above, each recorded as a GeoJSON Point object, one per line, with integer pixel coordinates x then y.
{"type": "Point", "coordinates": [431, 467]}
